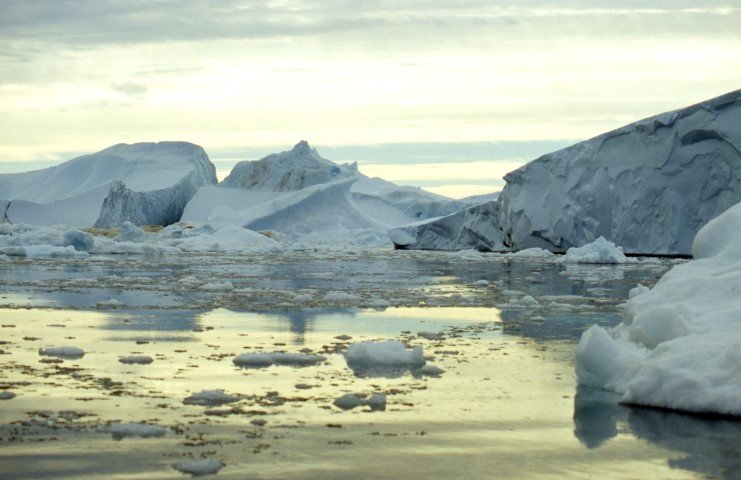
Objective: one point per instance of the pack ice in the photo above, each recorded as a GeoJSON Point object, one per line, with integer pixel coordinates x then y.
{"type": "Point", "coordinates": [647, 187]}
{"type": "Point", "coordinates": [143, 183]}
{"type": "Point", "coordinates": [308, 199]}
{"type": "Point", "coordinates": [679, 345]}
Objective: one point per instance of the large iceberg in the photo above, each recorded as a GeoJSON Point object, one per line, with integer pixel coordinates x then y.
{"type": "Point", "coordinates": [648, 187]}
{"type": "Point", "coordinates": [144, 183]}
{"type": "Point", "coordinates": [679, 345]}
{"type": "Point", "coordinates": [309, 199]}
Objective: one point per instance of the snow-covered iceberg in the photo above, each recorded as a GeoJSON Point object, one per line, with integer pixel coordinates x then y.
{"type": "Point", "coordinates": [647, 187]}
{"type": "Point", "coordinates": [144, 183]}
{"type": "Point", "coordinates": [679, 345]}
{"type": "Point", "coordinates": [311, 200]}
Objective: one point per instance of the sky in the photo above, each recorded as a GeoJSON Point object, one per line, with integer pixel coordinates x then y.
{"type": "Point", "coordinates": [447, 95]}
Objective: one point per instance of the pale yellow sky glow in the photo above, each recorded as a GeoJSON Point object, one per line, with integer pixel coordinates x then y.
{"type": "Point", "coordinates": [230, 75]}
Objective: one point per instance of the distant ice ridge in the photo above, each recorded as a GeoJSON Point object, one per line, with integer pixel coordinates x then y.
{"type": "Point", "coordinates": [647, 187]}
{"type": "Point", "coordinates": [310, 200]}
{"type": "Point", "coordinates": [679, 345]}
{"type": "Point", "coordinates": [145, 183]}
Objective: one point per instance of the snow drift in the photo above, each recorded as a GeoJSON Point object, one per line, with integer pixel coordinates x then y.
{"type": "Point", "coordinates": [143, 183]}
{"type": "Point", "coordinates": [648, 187]}
{"type": "Point", "coordinates": [679, 345]}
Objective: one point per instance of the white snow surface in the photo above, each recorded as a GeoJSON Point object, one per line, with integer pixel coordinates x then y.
{"type": "Point", "coordinates": [679, 345]}
{"type": "Point", "coordinates": [388, 353]}
{"type": "Point", "coordinates": [162, 176]}
{"type": "Point", "coordinates": [648, 187]}
{"type": "Point", "coordinates": [599, 251]}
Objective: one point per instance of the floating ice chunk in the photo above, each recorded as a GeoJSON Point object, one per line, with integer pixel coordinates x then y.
{"type": "Point", "coordinates": [143, 430]}
{"type": "Point", "coordinates": [349, 401]}
{"type": "Point", "coordinates": [340, 297]}
{"type": "Point", "coordinates": [258, 360]}
{"type": "Point", "coordinates": [379, 303]}
{"type": "Point", "coordinates": [531, 253]}
{"type": "Point", "coordinates": [429, 371]}
{"type": "Point", "coordinates": [303, 298]}
{"type": "Point", "coordinates": [6, 395]}
{"type": "Point", "coordinates": [376, 401]}
{"type": "Point", "coordinates": [524, 302]}
{"type": "Point", "coordinates": [481, 283]}
{"type": "Point", "coordinates": [389, 353]}
{"type": "Point", "coordinates": [210, 398]}
{"type": "Point", "coordinates": [4, 258]}
{"type": "Point", "coordinates": [430, 335]}
{"type": "Point", "coordinates": [136, 360]}
{"type": "Point", "coordinates": [679, 345]}
{"type": "Point", "coordinates": [204, 466]}
{"type": "Point", "coordinates": [218, 287]}
{"type": "Point", "coordinates": [78, 240]}
{"type": "Point", "coordinates": [599, 251]}
{"type": "Point", "coordinates": [71, 353]}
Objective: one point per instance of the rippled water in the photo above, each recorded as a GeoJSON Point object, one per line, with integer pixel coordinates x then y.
{"type": "Point", "coordinates": [507, 405]}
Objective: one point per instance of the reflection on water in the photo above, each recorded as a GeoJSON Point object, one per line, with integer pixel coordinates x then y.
{"type": "Point", "coordinates": [710, 445]}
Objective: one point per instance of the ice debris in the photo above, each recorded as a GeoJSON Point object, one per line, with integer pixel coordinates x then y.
{"type": "Point", "coordinates": [136, 360]}
{"type": "Point", "coordinates": [389, 353]}
{"type": "Point", "coordinates": [376, 401]}
{"type": "Point", "coordinates": [599, 251]}
{"type": "Point", "coordinates": [6, 395]}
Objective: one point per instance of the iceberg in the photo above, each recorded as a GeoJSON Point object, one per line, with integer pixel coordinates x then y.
{"type": "Point", "coordinates": [144, 183]}
{"type": "Point", "coordinates": [648, 187]}
{"type": "Point", "coordinates": [309, 199]}
{"type": "Point", "coordinates": [679, 344]}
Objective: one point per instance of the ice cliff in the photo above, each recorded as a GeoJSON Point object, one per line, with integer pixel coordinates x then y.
{"type": "Point", "coordinates": [648, 187]}
{"type": "Point", "coordinates": [141, 183]}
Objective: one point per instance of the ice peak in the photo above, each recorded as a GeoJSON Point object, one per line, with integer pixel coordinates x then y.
{"type": "Point", "coordinates": [302, 148]}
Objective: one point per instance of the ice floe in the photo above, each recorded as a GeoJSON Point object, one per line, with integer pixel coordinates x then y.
{"type": "Point", "coordinates": [71, 353]}
{"type": "Point", "coordinates": [211, 398]}
{"type": "Point", "coordinates": [203, 466]}
{"type": "Point", "coordinates": [143, 430]}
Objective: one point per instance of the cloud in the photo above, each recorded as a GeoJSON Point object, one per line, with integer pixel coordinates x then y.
{"type": "Point", "coordinates": [129, 88]}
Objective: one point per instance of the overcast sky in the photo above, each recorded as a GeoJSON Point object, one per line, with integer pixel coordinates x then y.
{"type": "Point", "coordinates": [77, 76]}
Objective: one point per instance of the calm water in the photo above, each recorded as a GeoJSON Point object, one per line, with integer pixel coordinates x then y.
{"type": "Point", "coordinates": [507, 405]}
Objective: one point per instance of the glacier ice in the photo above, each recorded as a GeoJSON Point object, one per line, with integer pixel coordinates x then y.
{"type": "Point", "coordinates": [142, 183]}
{"type": "Point", "coordinates": [679, 344]}
{"type": "Point", "coordinates": [647, 187]}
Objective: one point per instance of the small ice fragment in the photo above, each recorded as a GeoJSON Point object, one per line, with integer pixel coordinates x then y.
{"type": "Point", "coordinates": [430, 371]}
{"type": "Point", "coordinates": [480, 283]}
{"type": "Point", "coordinates": [349, 401]}
{"type": "Point", "coordinates": [143, 430]}
{"type": "Point", "coordinates": [340, 297]}
{"type": "Point", "coordinates": [112, 302]}
{"type": "Point", "coordinates": [6, 395]}
{"type": "Point", "coordinates": [210, 397]}
{"type": "Point", "coordinates": [258, 360]}
{"type": "Point", "coordinates": [136, 359]}
{"type": "Point", "coordinates": [390, 353]}
{"type": "Point", "coordinates": [377, 402]}
{"type": "Point", "coordinates": [71, 353]}
{"type": "Point", "coordinates": [218, 287]}
{"type": "Point", "coordinates": [204, 466]}
{"type": "Point", "coordinates": [302, 298]}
